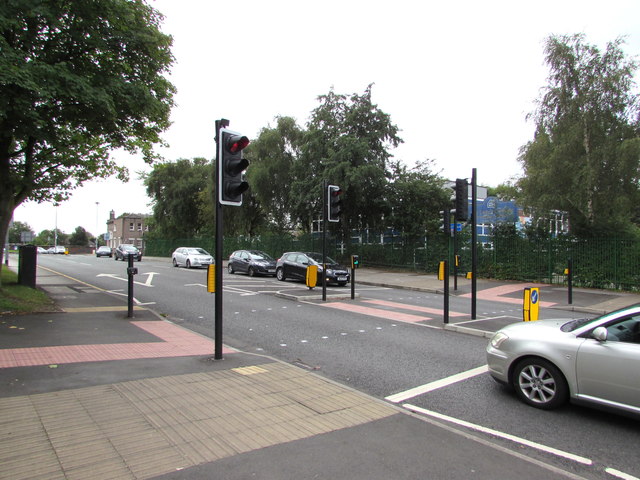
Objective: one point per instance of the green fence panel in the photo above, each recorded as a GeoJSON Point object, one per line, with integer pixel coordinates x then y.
{"type": "Point", "coordinates": [608, 263]}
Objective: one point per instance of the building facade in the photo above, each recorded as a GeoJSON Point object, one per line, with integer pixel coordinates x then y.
{"type": "Point", "coordinates": [127, 228]}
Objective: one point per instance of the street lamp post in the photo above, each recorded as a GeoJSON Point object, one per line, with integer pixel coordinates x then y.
{"type": "Point", "coordinates": [97, 223]}
{"type": "Point", "coordinates": [55, 232]}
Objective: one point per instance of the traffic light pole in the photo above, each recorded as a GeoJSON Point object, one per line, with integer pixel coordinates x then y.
{"type": "Point", "coordinates": [474, 243]}
{"type": "Point", "coordinates": [447, 231]}
{"type": "Point", "coordinates": [325, 216]}
{"type": "Point", "coordinates": [217, 355]}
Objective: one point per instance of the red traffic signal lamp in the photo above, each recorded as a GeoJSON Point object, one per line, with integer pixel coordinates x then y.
{"type": "Point", "coordinates": [334, 203]}
{"type": "Point", "coordinates": [231, 181]}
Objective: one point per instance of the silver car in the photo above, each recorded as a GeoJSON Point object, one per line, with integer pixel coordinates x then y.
{"type": "Point", "coordinates": [595, 361]}
{"type": "Point", "coordinates": [191, 257]}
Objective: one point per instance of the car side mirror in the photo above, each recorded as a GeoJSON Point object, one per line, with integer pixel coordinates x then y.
{"type": "Point", "coordinates": [600, 334]}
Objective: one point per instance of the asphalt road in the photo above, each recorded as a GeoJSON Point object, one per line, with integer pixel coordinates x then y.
{"type": "Point", "coordinates": [383, 349]}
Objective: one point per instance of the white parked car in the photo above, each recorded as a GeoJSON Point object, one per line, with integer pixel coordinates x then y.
{"type": "Point", "coordinates": [191, 257]}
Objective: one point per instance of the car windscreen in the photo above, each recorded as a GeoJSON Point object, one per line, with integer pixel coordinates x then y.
{"type": "Point", "coordinates": [581, 322]}
{"type": "Point", "coordinates": [260, 256]}
{"type": "Point", "coordinates": [129, 248]}
{"type": "Point", "coordinates": [197, 251]}
{"type": "Point", "coordinates": [316, 257]}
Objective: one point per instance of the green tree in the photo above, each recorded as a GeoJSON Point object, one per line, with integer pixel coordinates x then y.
{"type": "Point", "coordinates": [417, 195]}
{"type": "Point", "coordinates": [584, 158]}
{"type": "Point", "coordinates": [175, 189]}
{"type": "Point", "coordinates": [509, 190]}
{"type": "Point", "coordinates": [48, 237]}
{"type": "Point", "coordinates": [16, 230]}
{"type": "Point", "coordinates": [79, 237]}
{"type": "Point", "coordinates": [347, 143]}
{"type": "Point", "coordinates": [77, 80]}
{"type": "Point", "coordinates": [270, 174]}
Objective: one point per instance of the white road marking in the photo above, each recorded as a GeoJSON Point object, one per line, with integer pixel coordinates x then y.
{"type": "Point", "coordinates": [619, 474]}
{"type": "Point", "coordinates": [458, 377]}
{"type": "Point", "coordinates": [113, 275]}
{"type": "Point", "coordinates": [496, 433]}
{"type": "Point", "coordinates": [485, 319]}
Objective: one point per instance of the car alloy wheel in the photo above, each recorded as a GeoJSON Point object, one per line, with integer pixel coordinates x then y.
{"type": "Point", "coordinates": [188, 264]}
{"type": "Point", "coordinates": [175, 263]}
{"type": "Point", "coordinates": [251, 272]}
{"type": "Point", "coordinates": [280, 274]}
{"type": "Point", "coordinates": [540, 384]}
{"type": "Point", "coordinates": [230, 269]}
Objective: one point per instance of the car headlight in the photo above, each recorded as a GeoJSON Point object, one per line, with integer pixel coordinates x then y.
{"type": "Point", "coordinates": [498, 339]}
{"type": "Point", "coordinates": [329, 271]}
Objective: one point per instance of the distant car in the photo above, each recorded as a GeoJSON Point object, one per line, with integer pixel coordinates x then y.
{"type": "Point", "coordinates": [42, 250]}
{"type": "Point", "coordinates": [252, 262]}
{"type": "Point", "coordinates": [294, 265]}
{"type": "Point", "coordinates": [594, 361]}
{"type": "Point", "coordinates": [191, 257]}
{"type": "Point", "coordinates": [123, 251]}
{"type": "Point", "coordinates": [59, 249]}
{"type": "Point", "coordinates": [104, 251]}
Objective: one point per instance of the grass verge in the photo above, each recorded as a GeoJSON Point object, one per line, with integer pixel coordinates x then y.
{"type": "Point", "coordinates": [16, 299]}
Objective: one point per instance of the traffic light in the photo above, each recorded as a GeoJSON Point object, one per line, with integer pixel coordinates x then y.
{"type": "Point", "coordinates": [231, 181]}
{"type": "Point", "coordinates": [334, 203]}
{"type": "Point", "coordinates": [462, 199]}
{"type": "Point", "coordinates": [355, 261]}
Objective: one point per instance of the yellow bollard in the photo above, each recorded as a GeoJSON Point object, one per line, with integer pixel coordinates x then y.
{"type": "Point", "coordinates": [312, 276]}
{"type": "Point", "coordinates": [211, 278]}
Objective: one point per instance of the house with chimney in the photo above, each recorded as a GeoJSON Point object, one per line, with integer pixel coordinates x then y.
{"type": "Point", "coordinates": [127, 228]}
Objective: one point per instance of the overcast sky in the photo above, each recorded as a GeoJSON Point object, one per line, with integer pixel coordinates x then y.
{"type": "Point", "coordinates": [457, 78]}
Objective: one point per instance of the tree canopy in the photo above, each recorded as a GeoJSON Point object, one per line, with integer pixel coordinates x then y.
{"type": "Point", "coordinates": [16, 230]}
{"type": "Point", "coordinates": [347, 142]}
{"type": "Point", "coordinates": [175, 190]}
{"type": "Point", "coordinates": [585, 156]}
{"type": "Point", "coordinates": [77, 80]}
{"type": "Point", "coordinates": [79, 237]}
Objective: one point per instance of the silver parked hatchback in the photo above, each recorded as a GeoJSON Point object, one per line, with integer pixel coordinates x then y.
{"type": "Point", "coordinates": [191, 257]}
{"type": "Point", "coordinates": [594, 361]}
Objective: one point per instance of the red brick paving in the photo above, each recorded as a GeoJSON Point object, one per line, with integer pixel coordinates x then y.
{"type": "Point", "coordinates": [177, 342]}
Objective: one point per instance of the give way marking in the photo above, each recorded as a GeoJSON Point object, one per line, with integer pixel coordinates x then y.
{"type": "Point", "coordinates": [147, 283]}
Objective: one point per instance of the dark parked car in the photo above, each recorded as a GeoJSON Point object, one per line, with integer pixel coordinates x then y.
{"type": "Point", "coordinates": [252, 262]}
{"type": "Point", "coordinates": [294, 265]}
{"type": "Point", "coordinates": [123, 251]}
{"type": "Point", "coordinates": [104, 251]}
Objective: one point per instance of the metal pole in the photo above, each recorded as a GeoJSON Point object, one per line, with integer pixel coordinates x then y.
{"type": "Point", "coordinates": [474, 244]}
{"type": "Point", "coordinates": [325, 216]}
{"type": "Point", "coordinates": [570, 282]}
{"type": "Point", "coordinates": [455, 254]}
{"type": "Point", "coordinates": [130, 285]}
{"type": "Point", "coordinates": [353, 282]}
{"type": "Point", "coordinates": [447, 231]}
{"type": "Point", "coordinates": [97, 223]}
{"type": "Point", "coordinates": [217, 355]}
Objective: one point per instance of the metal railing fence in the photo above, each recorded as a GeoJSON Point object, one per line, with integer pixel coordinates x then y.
{"type": "Point", "coordinates": [607, 263]}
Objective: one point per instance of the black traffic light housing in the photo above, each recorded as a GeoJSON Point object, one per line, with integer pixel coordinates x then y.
{"type": "Point", "coordinates": [355, 261]}
{"type": "Point", "coordinates": [231, 181]}
{"type": "Point", "coordinates": [334, 203]}
{"type": "Point", "coordinates": [462, 199]}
